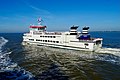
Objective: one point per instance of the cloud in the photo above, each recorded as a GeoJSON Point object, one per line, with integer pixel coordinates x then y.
{"type": "Point", "coordinates": [38, 11]}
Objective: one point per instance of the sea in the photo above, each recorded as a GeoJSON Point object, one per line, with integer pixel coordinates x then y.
{"type": "Point", "coordinates": [30, 62]}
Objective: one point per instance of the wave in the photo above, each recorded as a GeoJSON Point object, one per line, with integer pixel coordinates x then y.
{"type": "Point", "coordinates": [8, 69]}
{"type": "Point", "coordinates": [114, 51]}
{"type": "Point", "coordinates": [99, 55]}
{"type": "Point", "coordinates": [3, 41]}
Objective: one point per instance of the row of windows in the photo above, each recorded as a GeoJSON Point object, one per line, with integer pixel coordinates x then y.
{"type": "Point", "coordinates": [49, 36]}
{"type": "Point", "coordinates": [31, 39]}
{"type": "Point", "coordinates": [47, 41]}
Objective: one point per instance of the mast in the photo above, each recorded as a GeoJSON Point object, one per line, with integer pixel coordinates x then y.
{"type": "Point", "coordinates": [39, 27]}
{"type": "Point", "coordinates": [40, 21]}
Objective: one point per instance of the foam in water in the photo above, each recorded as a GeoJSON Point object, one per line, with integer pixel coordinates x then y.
{"type": "Point", "coordinates": [102, 56]}
{"type": "Point", "coordinates": [8, 69]}
{"type": "Point", "coordinates": [114, 51]}
{"type": "Point", "coordinates": [2, 42]}
{"type": "Point", "coordinates": [76, 64]}
{"type": "Point", "coordinates": [108, 58]}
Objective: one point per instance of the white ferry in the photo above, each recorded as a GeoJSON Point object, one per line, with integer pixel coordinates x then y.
{"type": "Point", "coordinates": [71, 39]}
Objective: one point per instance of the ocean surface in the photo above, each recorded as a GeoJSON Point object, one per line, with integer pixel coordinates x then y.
{"type": "Point", "coordinates": [18, 62]}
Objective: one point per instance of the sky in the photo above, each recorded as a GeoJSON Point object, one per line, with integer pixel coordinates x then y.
{"type": "Point", "coordinates": [59, 15]}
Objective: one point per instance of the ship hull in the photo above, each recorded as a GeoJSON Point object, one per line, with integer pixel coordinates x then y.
{"type": "Point", "coordinates": [61, 46]}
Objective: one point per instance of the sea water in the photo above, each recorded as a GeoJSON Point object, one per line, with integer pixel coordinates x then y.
{"type": "Point", "coordinates": [18, 62]}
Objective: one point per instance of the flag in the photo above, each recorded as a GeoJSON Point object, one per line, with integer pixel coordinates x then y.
{"type": "Point", "coordinates": [40, 20]}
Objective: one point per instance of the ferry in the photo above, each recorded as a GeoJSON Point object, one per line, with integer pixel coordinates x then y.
{"type": "Point", "coordinates": [71, 39]}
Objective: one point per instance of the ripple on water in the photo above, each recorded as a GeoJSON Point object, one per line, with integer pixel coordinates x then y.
{"type": "Point", "coordinates": [8, 69]}
{"type": "Point", "coordinates": [69, 64]}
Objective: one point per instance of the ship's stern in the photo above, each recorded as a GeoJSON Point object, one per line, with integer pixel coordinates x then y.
{"type": "Point", "coordinates": [97, 43]}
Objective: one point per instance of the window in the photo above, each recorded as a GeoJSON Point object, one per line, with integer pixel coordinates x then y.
{"type": "Point", "coordinates": [38, 40]}
{"type": "Point", "coordinates": [57, 41]}
{"type": "Point", "coordinates": [45, 40]}
{"type": "Point", "coordinates": [31, 39]}
{"type": "Point", "coordinates": [48, 36]}
{"type": "Point", "coordinates": [98, 42]}
{"type": "Point", "coordinates": [86, 44]}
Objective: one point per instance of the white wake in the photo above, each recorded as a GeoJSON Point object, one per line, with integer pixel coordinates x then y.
{"type": "Point", "coordinates": [7, 65]}
{"type": "Point", "coordinates": [114, 51]}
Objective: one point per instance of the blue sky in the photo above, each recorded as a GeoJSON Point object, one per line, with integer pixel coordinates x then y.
{"type": "Point", "coordinates": [100, 15]}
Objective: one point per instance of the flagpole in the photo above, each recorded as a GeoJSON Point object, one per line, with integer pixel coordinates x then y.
{"type": "Point", "coordinates": [39, 21]}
